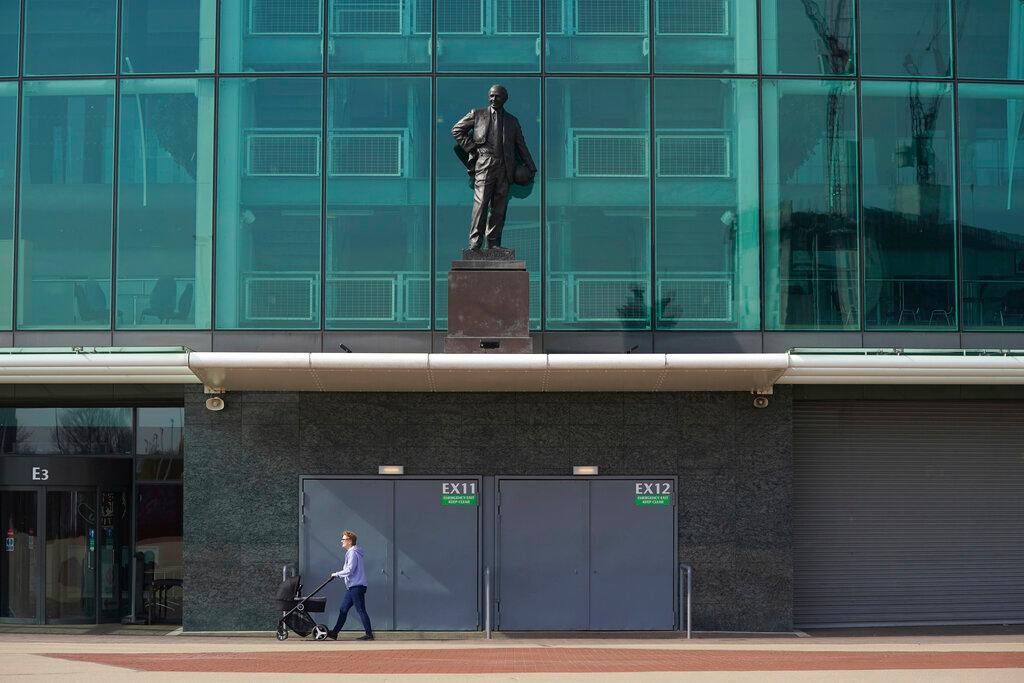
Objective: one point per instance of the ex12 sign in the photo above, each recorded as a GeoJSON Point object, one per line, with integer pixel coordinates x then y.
{"type": "Point", "coordinates": [652, 493]}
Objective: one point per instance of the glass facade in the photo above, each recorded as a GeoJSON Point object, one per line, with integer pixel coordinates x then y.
{"type": "Point", "coordinates": [727, 165]}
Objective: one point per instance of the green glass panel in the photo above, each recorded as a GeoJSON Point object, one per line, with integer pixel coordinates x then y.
{"type": "Point", "coordinates": [8, 149]}
{"type": "Point", "coordinates": [268, 203]}
{"type": "Point", "coordinates": [385, 35]}
{"type": "Point", "coordinates": [159, 37]}
{"type": "Point", "coordinates": [909, 237]}
{"type": "Point", "coordinates": [990, 39]}
{"type": "Point", "coordinates": [490, 35]}
{"type": "Point", "coordinates": [992, 205]}
{"type": "Point", "coordinates": [70, 37]}
{"type": "Point", "coordinates": [598, 194]}
{"type": "Point", "coordinates": [705, 36]}
{"type": "Point", "coordinates": [455, 97]}
{"type": "Point", "coordinates": [598, 35]}
{"type": "Point", "coordinates": [908, 38]}
{"type": "Point", "coordinates": [64, 246]}
{"type": "Point", "coordinates": [706, 204]}
{"type": "Point", "coordinates": [271, 35]}
{"type": "Point", "coordinates": [810, 205]}
{"type": "Point", "coordinates": [808, 36]}
{"type": "Point", "coordinates": [165, 157]}
{"type": "Point", "coordinates": [378, 203]}
{"type": "Point", "coordinates": [10, 22]}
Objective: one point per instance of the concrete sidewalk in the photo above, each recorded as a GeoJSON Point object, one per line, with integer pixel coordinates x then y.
{"type": "Point", "coordinates": [934, 655]}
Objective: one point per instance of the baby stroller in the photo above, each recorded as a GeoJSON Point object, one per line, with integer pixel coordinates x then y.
{"type": "Point", "coordinates": [296, 609]}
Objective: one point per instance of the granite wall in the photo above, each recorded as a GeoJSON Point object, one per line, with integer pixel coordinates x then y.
{"type": "Point", "coordinates": [734, 464]}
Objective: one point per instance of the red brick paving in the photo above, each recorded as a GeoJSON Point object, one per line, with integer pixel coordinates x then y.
{"type": "Point", "coordinates": [547, 660]}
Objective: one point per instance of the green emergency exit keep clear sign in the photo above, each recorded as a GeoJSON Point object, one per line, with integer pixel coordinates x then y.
{"type": "Point", "coordinates": [652, 493]}
{"type": "Point", "coordinates": [459, 493]}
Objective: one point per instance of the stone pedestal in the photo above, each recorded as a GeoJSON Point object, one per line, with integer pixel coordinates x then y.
{"type": "Point", "coordinates": [488, 304]}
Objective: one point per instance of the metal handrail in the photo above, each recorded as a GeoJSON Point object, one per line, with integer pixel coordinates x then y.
{"type": "Point", "coordinates": [487, 602]}
{"type": "Point", "coordinates": [686, 588]}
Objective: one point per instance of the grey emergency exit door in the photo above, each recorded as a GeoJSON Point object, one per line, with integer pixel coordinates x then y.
{"type": "Point", "coordinates": [422, 556]}
{"type": "Point", "coordinates": [577, 554]}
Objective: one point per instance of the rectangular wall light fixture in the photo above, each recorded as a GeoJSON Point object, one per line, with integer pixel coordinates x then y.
{"type": "Point", "coordinates": [584, 469]}
{"type": "Point", "coordinates": [391, 469]}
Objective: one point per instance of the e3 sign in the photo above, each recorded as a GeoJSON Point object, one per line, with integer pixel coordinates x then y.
{"type": "Point", "coordinates": [653, 493]}
{"type": "Point", "coordinates": [458, 493]}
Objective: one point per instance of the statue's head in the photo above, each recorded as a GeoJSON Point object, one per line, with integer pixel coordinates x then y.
{"type": "Point", "coordinates": [497, 96]}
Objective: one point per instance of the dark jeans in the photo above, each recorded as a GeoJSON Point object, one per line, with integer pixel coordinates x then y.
{"type": "Point", "coordinates": [355, 595]}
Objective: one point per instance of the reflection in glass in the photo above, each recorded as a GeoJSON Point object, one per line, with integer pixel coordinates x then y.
{"type": "Point", "coordinates": [8, 173]}
{"type": "Point", "coordinates": [71, 559]}
{"type": "Point", "coordinates": [706, 204]}
{"type": "Point", "coordinates": [19, 559]}
{"type": "Point", "coordinates": [909, 38]}
{"type": "Point", "coordinates": [66, 431]}
{"type": "Point", "coordinates": [992, 205]}
{"type": "Point", "coordinates": [709, 36]}
{"type": "Point", "coordinates": [160, 431]}
{"type": "Point", "coordinates": [158, 543]}
{"type": "Point", "coordinates": [990, 39]}
{"type": "Point", "coordinates": [70, 37]}
{"type": "Point", "coordinates": [598, 203]}
{"type": "Point", "coordinates": [268, 203]}
{"type": "Point", "coordinates": [597, 35]}
{"type": "Point", "coordinates": [10, 21]}
{"type": "Point", "coordinates": [384, 35]}
{"type": "Point", "coordinates": [454, 201]}
{"type": "Point", "coordinates": [165, 203]}
{"type": "Point", "coordinates": [271, 35]}
{"type": "Point", "coordinates": [113, 530]}
{"type": "Point", "coordinates": [378, 203]}
{"type": "Point", "coordinates": [808, 36]}
{"type": "Point", "coordinates": [167, 37]}
{"type": "Point", "coordinates": [810, 204]}
{"type": "Point", "coordinates": [909, 239]}
{"type": "Point", "coordinates": [64, 246]}
{"type": "Point", "coordinates": [491, 35]}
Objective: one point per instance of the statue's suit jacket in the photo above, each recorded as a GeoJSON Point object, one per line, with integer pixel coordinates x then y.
{"type": "Point", "coordinates": [471, 131]}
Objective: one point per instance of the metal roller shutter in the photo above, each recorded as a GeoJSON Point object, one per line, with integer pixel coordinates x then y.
{"type": "Point", "coordinates": [908, 512]}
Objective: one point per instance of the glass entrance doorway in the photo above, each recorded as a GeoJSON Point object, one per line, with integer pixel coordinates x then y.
{"type": "Point", "coordinates": [66, 555]}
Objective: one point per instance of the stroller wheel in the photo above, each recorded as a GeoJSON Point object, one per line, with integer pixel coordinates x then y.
{"type": "Point", "coordinates": [319, 632]}
{"type": "Point", "coordinates": [282, 632]}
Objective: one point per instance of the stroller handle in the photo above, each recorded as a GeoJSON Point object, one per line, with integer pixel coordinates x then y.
{"type": "Point", "coordinates": [320, 587]}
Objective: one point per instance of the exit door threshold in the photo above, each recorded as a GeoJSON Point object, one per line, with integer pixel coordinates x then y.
{"type": "Point", "coordinates": [468, 635]}
{"type": "Point", "coordinates": [91, 629]}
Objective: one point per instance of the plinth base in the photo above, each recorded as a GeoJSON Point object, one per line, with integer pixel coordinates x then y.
{"type": "Point", "coordinates": [488, 344]}
{"type": "Point", "coordinates": [488, 305]}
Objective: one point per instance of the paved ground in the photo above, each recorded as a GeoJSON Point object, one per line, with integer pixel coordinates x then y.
{"type": "Point", "coordinates": [935, 656]}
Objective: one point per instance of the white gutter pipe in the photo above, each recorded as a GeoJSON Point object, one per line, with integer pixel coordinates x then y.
{"type": "Point", "coordinates": [512, 372]}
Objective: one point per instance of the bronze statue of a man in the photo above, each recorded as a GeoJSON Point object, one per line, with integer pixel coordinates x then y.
{"type": "Point", "coordinates": [497, 156]}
